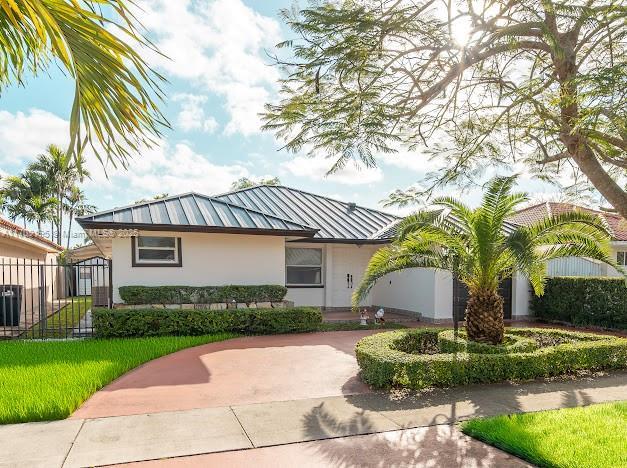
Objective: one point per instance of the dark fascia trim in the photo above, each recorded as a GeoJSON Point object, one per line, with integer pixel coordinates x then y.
{"type": "Point", "coordinates": [207, 229]}
{"type": "Point", "coordinates": [318, 240]}
{"type": "Point", "coordinates": [135, 264]}
{"type": "Point", "coordinates": [304, 286]}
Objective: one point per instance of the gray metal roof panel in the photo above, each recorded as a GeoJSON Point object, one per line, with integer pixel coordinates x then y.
{"type": "Point", "coordinates": [197, 210]}
{"type": "Point", "coordinates": [334, 218]}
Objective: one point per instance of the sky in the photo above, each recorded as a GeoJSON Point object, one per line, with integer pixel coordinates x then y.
{"type": "Point", "coordinates": [219, 77]}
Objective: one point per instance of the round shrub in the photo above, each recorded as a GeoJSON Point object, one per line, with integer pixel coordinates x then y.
{"type": "Point", "coordinates": [398, 358]}
{"type": "Point", "coordinates": [513, 343]}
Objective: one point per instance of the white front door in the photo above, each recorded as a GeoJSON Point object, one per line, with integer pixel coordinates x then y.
{"type": "Point", "coordinates": [349, 265]}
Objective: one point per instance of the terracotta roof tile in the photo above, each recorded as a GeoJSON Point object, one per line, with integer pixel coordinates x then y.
{"type": "Point", "coordinates": [532, 214]}
{"type": "Point", "coordinates": [20, 231]}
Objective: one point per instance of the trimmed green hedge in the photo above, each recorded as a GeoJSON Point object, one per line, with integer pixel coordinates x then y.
{"type": "Point", "coordinates": [593, 301]}
{"type": "Point", "coordinates": [116, 323]}
{"type": "Point", "coordinates": [385, 360]}
{"type": "Point", "coordinates": [201, 294]}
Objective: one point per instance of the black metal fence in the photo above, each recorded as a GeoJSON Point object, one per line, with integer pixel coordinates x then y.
{"type": "Point", "coordinates": [40, 300]}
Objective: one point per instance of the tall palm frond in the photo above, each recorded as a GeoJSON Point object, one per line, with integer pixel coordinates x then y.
{"type": "Point", "coordinates": [98, 43]}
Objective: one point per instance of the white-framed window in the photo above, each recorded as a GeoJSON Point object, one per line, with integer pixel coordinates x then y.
{"type": "Point", "coordinates": [303, 266]}
{"type": "Point", "coordinates": [621, 258]}
{"type": "Point", "coordinates": [156, 251]}
{"type": "Point", "coordinates": [84, 273]}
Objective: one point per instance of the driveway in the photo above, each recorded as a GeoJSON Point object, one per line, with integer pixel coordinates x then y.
{"type": "Point", "coordinates": [256, 369]}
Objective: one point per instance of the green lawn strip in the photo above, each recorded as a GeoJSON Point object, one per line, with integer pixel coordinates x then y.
{"type": "Point", "coordinates": [49, 380]}
{"type": "Point", "coordinates": [590, 436]}
{"type": "Point", "coordinates": [60, 324]}
{"type": "Point", "coordinates": [346, 326]}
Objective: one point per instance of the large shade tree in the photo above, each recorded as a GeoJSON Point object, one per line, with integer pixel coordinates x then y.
{"type": "Point", "coordinates": [97, 43]}
{"type": "Point", "coordinates": [481, 249]}
{"type": "Point", "coordinates": [478, 83]}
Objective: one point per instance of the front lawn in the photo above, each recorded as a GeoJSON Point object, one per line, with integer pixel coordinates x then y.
{"type": "Point", "coordinates": [592, 436]}
{"type": "Point", "coordinates": [48, 380]}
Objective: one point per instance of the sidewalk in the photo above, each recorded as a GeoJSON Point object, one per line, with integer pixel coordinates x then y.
{"type": "Point", "coordinates": [122, 439]}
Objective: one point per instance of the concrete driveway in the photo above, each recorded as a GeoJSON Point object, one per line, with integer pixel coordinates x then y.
{"type": "Point", "coordinates": [241, 371]}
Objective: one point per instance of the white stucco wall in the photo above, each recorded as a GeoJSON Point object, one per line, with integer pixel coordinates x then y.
{"type": "Point", "coordinates": [421, 290]}
{"type": "Point", "coordinates": [521, 295]}
{"type": "Point", "coordinates": [207, 259]}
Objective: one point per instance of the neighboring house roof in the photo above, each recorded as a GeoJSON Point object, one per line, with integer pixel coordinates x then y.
{"type": "Point", "coordinates": [84, 252]}
{"type": "Point", "coordinates": [616, 223]}
{"type": "Point", "coordinates": [16, 232]}
{"type": "Point", "coordinates": [337, 221]}
{"type": "Point", "coordinates": [195, 212]}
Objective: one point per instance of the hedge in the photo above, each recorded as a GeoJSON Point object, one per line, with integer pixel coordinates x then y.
{"type": "Point", "coordinates": [116, 323]}
{"type": "Point", "coordinates": [383, 364]}
{"type": "Point", "coordinates": [584, 301]}
{"type": "Point", "coordinates": [201, 294]}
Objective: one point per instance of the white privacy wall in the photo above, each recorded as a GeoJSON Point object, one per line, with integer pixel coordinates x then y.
{"type": "Point", "coordinates": [207, 260]}
{"type": "Point", "coordinates": [421, 290]}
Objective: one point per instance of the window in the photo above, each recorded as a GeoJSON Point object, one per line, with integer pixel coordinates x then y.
{"type": "Point", "coordinates": [156, 251]}
{"type": "Point", "coordinates": [84, 273]}
{"type": "Point", "coordinates": [303, 267]}
{"type": "Point", "coordinates": [621, 258]}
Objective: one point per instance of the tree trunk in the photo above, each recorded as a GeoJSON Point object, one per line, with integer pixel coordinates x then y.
{"type": "Point", "coordinates": [484, 317]}
{"type": "Point", "coordinates": [69, 230]}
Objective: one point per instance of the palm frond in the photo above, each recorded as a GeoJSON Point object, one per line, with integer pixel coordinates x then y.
{"type": "Point", "coordinates": [116, 93]}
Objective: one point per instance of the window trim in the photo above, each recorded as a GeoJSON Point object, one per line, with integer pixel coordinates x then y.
{"type": "Point", "coordinates": [321, 266]}
{"type": "Point", "coordinates": [178, 261]}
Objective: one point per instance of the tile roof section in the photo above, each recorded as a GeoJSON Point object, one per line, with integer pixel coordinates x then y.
{"type": "Point", "coordinates": [617, 224]}
{"type": "Point", "coordinates": [21, 232]}
{"type": "Point", "coordinates": [336, 220]}
{"type": "Point", "coordinates": [193, 210]}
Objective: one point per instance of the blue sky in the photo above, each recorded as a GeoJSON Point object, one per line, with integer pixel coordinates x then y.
{"type": "Point", "coordinates": [219, 79]}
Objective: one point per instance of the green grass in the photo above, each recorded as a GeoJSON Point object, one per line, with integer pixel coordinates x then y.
{"type": "Point", "coordinates": [345, 326]}
{"type": "Point", "coordinates": [591, 436]}
{"type": "Point", "coordinates": [47, 380]}
{"type": "Point", "coordinates": [60, 324]}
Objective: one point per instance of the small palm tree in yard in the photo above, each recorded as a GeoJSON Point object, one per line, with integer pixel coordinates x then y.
{"type": "Point", "coordinates": [481, 248]}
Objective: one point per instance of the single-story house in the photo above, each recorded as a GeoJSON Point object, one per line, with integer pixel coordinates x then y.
{"type": "Point", "coordinates": [316, 246]}
{"type": "Point", "coordinates": [28, 263]}
{"type": "Point", "coordinates": [579, 266]}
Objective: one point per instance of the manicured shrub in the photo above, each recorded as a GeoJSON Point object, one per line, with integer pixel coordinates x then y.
{"type": "Point", "coordinates": [110, 323]}
{"type": "Point", "coordinates": [584, 301]}
{"type": "Point", "coordinates": [386, 359]}
{"type": "Point", "coordinates": [201, 294]}
{"type": "Point", "coordinates": [512, 344]}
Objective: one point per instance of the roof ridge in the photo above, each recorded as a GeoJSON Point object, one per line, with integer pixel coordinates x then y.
{"type": "Point", "coordinates": [308, 193]}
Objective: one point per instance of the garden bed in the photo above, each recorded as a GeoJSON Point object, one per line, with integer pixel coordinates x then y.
{"type": "Point", "coordinates": [434, 357]}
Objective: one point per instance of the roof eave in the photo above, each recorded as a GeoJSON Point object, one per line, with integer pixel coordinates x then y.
{"type": "Point", "coordinates": [193, 228]}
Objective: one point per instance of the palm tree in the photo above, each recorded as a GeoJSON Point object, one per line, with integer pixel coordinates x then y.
{"type": "Point", "coordinates": [481, 249]}
{"type": "Point", "coordinates": [39, 209]}
{"type": "Point", "coordinates": [76, 205]}
{"type": "Point", "coordinates": [14, 193]}
{"type": "Point", "coordinates": [98, 44]}
{"type": "Point", "coordinates": [63, 170]}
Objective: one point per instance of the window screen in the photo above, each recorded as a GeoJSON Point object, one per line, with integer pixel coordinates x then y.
{"type": "Point", "coordinates": [303, 266]}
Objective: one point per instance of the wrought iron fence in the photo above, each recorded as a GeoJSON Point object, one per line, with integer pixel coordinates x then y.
{"type": "Point", "coordinates": [41, 300]}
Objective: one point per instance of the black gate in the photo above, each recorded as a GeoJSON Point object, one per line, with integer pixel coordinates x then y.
{"type": "Point", "coordinates": [49, 300]}
{"type": "Point", "coordinates": [460, 298]}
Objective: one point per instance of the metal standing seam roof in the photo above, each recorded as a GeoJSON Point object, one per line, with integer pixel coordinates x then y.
{"type": "Point", "coordinates": [193, 210]}
{"type": "Point", "coordinates": [336, 220]}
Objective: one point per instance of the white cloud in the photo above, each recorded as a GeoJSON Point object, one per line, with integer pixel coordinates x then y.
{"type": "Point", "coordinates": [192, 114]}
{"type": "Point", "coordinates": [413, 160]}
{"type": "Point", "coordinates": [164, 168]}
{"type": "Point", "coordinates": [24, 135]}
{"type": "Point", "coordinates": [219, 45]}
{"type": "Point", "coordinates": [316, 169]}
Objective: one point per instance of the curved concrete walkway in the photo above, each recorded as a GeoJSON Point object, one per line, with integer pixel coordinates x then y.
{"type": "Point", "coordinates": [241, 371]}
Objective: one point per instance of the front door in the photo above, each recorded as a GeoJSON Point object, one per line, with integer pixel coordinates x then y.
{"type": "Point", "coordinates": [349, 265]}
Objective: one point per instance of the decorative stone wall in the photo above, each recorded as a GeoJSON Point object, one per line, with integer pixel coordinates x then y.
{"type": "Point", "coordinates": [213, 306]}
